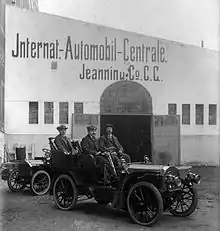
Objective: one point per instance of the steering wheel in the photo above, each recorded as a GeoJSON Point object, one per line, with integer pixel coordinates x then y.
{"type": "Point", "coordinates": [45, 150]}
{"type": "Point", "coordinates": [111, 149]}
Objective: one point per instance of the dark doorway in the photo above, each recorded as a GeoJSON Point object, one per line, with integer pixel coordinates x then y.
{"type": "Point", "coordinates": [128, 106]}
{"type": "Point", "coordinates": [133, 132]}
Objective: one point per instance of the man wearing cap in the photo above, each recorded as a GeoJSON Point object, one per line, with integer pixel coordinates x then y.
{"type": "Point", "coordinates": [62, 142]}
{"type": "Point", "coordinates": [90, 146]}
{"type": "Point", "coordinates": [89, 143]}
{"type": "Point", "coordinates": [108, 140]}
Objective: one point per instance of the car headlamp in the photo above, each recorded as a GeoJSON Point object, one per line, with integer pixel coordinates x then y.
{"type": "Point", "coordinates": [146, 159]}
{"type": "Point", "coordinates": [173, 180]}
{"type": "Point", "coordinates": [193, 177]}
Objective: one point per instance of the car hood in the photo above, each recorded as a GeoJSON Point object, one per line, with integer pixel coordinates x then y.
{"type": "Point", "coordinates": [134, 167]}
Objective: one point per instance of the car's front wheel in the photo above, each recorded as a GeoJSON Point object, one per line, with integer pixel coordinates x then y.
{"type": "Point", "coordinates": [40, 182]}
{"type": "Point", "coordinates": [65, 193]}
{"type": "Point", "coordinates": [15, 182]}
{"type": "Point", "coordinates": [186, 202]}
{"type": "Point", "coordinates": [145, 203]}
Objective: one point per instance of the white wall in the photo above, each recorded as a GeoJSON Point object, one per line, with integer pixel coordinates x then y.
{"type": "Point", "coordinates": [1, 147]}
{"type": "Point", "coordinates": [189, 75]}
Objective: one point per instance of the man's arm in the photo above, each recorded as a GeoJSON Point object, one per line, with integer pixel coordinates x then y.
{"type": "Point", "coordinates": [86, 147]}
{"type": "Point", "coordinates": [59, 145]}
{"type": "Point", "coordinates": [74, 150]}
{"type": "Point", "coordinates": [121, 149]}
{"type": "Point", "coordinates": [102, 143]}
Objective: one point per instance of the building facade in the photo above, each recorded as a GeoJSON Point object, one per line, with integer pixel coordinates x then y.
{"type": "Point", "coordinates": [158, 94]}
{"type": "Point", "coordinates": [2, 76]}
{"type": "Point", "coordinates": [28, 4]}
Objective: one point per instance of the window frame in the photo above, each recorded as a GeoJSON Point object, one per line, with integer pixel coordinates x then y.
{"type": "Point", "coordinates": [175, 106]}
{"type": "Point", "coordinates": [196, 114]}
{"type": "Point", "coordinates": [29, 112]}
{"type": "Point", "coordinates": [64, 110]}
{"type": "Point", "coordinates": [186, 121]}
{"type": "Point", "coordinates": [45, 115]}
{"type": "Point", "coordinates": [215, 115]}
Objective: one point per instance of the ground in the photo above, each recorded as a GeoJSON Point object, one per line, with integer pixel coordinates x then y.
{"type": "Point", "coordinates": [25, 212]}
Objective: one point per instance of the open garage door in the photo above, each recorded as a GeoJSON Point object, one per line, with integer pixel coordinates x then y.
{"type": "Point", "coordinates": [166, 139]}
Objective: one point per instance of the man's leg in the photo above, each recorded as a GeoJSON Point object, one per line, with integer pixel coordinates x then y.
{"type": "Point", "coordinates": [104, 161]}
{"type": "Point", "coordinates": [101, 162]}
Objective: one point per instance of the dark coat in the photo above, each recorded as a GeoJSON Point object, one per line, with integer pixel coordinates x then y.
{"type": "Point", "coordinates": [90, 146]}
{"type": "Point", "coordinates": [106, 143]}
{"type": "Point", "coordinates": [64, 144]}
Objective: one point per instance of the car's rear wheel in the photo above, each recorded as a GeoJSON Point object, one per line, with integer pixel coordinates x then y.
{"type": "Point", "coordinates": [186, 202]}
{"type": "Point", "coordinates": [65, 193]}
{"type": "Point", "coordinates": [145, 203]}
{"type": "Point", "coordinates": [40, 182]}
{"type": "Point", "coordinates": [15, 182]}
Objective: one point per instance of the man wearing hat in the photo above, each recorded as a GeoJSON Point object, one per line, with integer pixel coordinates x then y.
{"type": "Point", "coordinates": [108, 140]}
{"type": "Point", "coordinates": [90, 146]}
{"type": "Point", "coordinates": [89, 143]}
{"type": "Point", "coordinates": [62, 142]}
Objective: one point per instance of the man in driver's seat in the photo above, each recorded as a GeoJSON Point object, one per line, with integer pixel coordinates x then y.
{"type": "Point", "coordinates": [90, 146]}
{"type": "Point", "coordinates": [108, 140]}
{"type": "Point", "coordinates": [63, 143]}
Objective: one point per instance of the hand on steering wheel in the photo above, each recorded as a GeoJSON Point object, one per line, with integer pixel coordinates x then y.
{"type": "Point", "coordinates": [45, 150]}
{"type": "Point", "coordinates": [120, 151]}
{"type": "Point", "coordinates": [111, 149]}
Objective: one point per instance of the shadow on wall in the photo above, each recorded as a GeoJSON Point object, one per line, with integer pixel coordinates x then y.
{"type": "Point", "coordinates": [163, 158]}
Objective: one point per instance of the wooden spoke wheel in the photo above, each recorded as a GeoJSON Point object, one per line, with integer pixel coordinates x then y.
{"type": "Point", "coordinates": [186, 202]}
{"type": "Point", "coordinates": [145, 203]}
{"type": "Point", "coordinates": [40, 182]}
{"type": "Point", "coordinates": [65, 192]}
{"type": "Point", "coordinates": [15, 182]}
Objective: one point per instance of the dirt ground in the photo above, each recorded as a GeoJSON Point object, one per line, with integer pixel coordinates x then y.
{"type": "Point", "coordinates": [25, 212]}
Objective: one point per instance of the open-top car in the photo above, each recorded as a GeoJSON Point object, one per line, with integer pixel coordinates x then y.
{"type": "Point", "coordinates": [144, 190]}
{"type": "Point", "coordinates": [34, 174]}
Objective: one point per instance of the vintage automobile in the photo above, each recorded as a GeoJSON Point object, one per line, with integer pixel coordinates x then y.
{"type": "Point", "coordinates": [34, 174]}
{"type": "Point", "coordinates": [144, 190]}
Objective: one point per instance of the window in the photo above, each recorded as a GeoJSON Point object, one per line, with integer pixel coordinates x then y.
{"type": "Point", "coordinates": [63, 112]}
{"type": "Point", "coordinates": [172, 109]}
{"type": "Point", "coordinates": [185, 113]}
{"type": "Point", "coordinates": [33, 112]}
{"type": "Point", "coordinates": [48, 112]}
{"type": "Point", "coordinates": [199, 114]}
{"type": "Point", "coordinates": [212, 114]}
{"type": "Point", "coordinates": [78, 108]}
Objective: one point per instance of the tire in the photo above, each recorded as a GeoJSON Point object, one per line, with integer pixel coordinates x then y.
{"type": "Point", "coordinates": [69, 188]}
{"type": "Point", "coordinates": [191, 208]}
{"type": "Point", "coordinates": [146, 201]}
{"type": "Point", "coordinates": [43, 190]}
{"type": "Point", "coordinates": [19, 183]}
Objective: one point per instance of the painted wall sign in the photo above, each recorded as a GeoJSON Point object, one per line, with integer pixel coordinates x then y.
{"type": "Point", "coordinates": [109, 51]}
